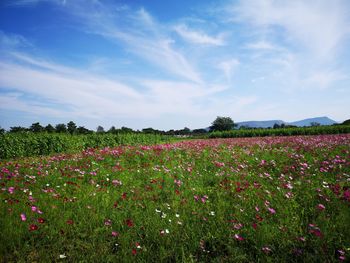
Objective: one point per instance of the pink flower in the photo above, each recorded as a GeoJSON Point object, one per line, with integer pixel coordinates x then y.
{"type": "Point", "coordinates": [266, 249]}
{"type": "Point", "coordinates": [237, 226]}
{"type": "Point", "coordinates": [204, 198]}
{"type": "Point", "coordinates": [321, 207]}
{"type": "Point", "coordinates": [257, 209]}
{"type": "Point", "coordinates": [11, 190]}
{"type": "Point", "coordinates": [178, 182]}
{"type": "Point", "coordinates": [271, 210]}
{"type": "Point", "coordinates": [35, 209]}
{"type": "Point", "coordinates": [108, 222]}
{"type": "Point", "coordinates": [23, 217]}
{"type": "Point", "coordinates": [115, 234]}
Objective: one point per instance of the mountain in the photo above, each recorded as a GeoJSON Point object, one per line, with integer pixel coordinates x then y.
{"type": "Point", "coordinates": [308, 122]}
{"type": "Point", "coordinates": [259, 124]}
{"type": "Point", "coordinates": [301, 123]}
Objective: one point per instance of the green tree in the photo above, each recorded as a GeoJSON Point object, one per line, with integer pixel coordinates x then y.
{"type": "Point", "coordinates": [71, 127]}
{"type": "Point", "coordinates": [18, 129]}
{"type": "Point", "coordinates": [112, 130]}
{"type": "Point", "coordinates": [61, 128]}
{"type": "Point", "coordinates": [83, 130]}
{"type": "Point", "coordinates": [222, 124]}
{"type": "Point", "coordinates": [199, 131]}
{"type": "Point", "coordinates": [2, 130]}
{"type": "Point", "coordinates": [100, 129]}
{"type": "Point", "coordinates": [49, 128]}
{"type": "Point", "coordinates": [36, 127]}
{"type": "Point", "coordinates": [126, 130]}
{"type": "Point", "coordinates": [347, 122]}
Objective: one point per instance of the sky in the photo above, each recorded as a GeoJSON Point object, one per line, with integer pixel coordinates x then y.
{"type": "Point", "coordinates": [172, 64]}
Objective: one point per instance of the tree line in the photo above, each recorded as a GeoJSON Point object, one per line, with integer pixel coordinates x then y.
{"type": "Point", "coordinates": [72, 128]}
{"type": "Point", "coordinates": [219, 124]}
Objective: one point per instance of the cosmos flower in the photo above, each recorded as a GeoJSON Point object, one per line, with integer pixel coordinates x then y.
{"type": "Point", "coordinates": [23, 217]}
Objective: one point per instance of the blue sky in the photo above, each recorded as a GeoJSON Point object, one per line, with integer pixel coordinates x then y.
{"type": "Point", "coordinates": [172, 64]}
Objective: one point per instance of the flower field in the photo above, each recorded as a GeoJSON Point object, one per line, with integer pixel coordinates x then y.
{"type": "Point", "coordinates": [270, 199]}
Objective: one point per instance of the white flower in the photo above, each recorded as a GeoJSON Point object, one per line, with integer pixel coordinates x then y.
{"type": "Point", "coordinates": [167, 231]}
{"type": "Point", "coordinates": [177, 215]}
{"type": "Point", "coordinates": [63, 256]}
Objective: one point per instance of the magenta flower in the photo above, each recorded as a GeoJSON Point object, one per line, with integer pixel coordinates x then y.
{"type": "Point", "coordinates": [23, 217]}
{"type": "Point", "coordinates": [321, 207]}
{"type": "Point", "coordinates": [108, 222]}
{"type": "Point", "coordinates": [346, 195]}
{"type": "Point", "coordinates": [11, 190]}
{"type": "Point", "coordinates": [204, 199]}
{"type": "Point", "coordinates": [115, 234]}
{"type": "Point", "coordinates": [238, 237]}
{"type": "Point", "coordinates": [271, 210]}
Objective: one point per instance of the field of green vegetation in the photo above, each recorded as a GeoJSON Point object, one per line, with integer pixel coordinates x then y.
{"type": "Point", "coordinates": [336, 129]}
{"type": "Point", "coordinates": [267, 199]}
{"type": "Point", "coordinates": [24, 144]}
{"type": "Point", "coordinates": [29, 143]}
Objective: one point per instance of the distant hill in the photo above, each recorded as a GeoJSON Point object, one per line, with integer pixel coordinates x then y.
{"type": "Point", "coordinates": [259, 124]}
{"type": "Point", "coordinates": [320, 120]}
{"type": "Point", "coordinates": [301, 123]}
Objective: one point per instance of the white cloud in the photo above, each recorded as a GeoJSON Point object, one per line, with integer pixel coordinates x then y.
{"type": "Point", "coordinates": [228, 67]}
{"type": "Point", "coordinates": [77, 93]}
{"type": "Point", "coordinates": [140, 34]}
{"type": "Point", "coordinates": [323, 79]}
{"type": "Point", "coordinates": [320, 26]}
{"type": "Point", "coordinates": [261, 45]}
{"type": "Point", "coordinates": [10, 41]}
{"type": "Point", "coordinates": [198, 37]}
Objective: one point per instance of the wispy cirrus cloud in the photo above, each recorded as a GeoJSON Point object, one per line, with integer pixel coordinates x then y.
{"type": "Point", "coordinates": [298, 42]}
{"type": "Point", "coordinates": [319, 26]}
{"type": "Point", "coordinates": [140, 33]}
{"type": "Point", "coordinates": [12, 41]}
{"type": "Point", "coordinates": [199, 37]}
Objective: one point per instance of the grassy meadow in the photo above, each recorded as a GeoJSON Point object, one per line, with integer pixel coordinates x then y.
{"type": "Point", "coordinates": [268, 199]}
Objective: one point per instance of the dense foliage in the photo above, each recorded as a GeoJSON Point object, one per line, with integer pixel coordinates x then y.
{"type": "Point", "coordinates": [316, 130]}
{"type": "Point", "coordinates": [222, 124]}
{"type": "Point", "coordinates": [272, 199]}
{"type": "Point", "coordinates": [32, 144]}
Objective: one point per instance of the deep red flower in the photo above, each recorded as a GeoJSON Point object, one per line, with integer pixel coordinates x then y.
{"type": "Point", "coordinates": [70, 222]}
{"type": "Point", "coordinates": [33, 227]}
{"type": "Point", "coordinates": [134, 251]}
{"type": "Point", "coordinates": [41, 220]}
{"type": "Point", "coordinates": [258, 217]}
{"type": "Point", "coordinates": [129, 223]}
